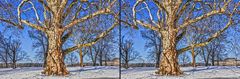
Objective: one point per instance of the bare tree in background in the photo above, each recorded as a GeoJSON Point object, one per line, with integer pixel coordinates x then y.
{"type": "Point", "coordinates": [106, 50]}
{"type": "Point", "coordinates": [87, 33]}
{"type": "Point", "coordinates": [4, 49]}
{"type": "Point", "coordinates": [101, 51]}
{"type": "Point", "coordinates": [171, 18]}
{"type": "Point", "coordinates": [235, 47]}
{"type": "Point", "coordinates": [58, 17]}
{"type": "Point", "coordinates": [16, 54]}
{"type": "Point", "coordinates": [11, 51]}
{"type": "Point", "coordinates": [40, 45]}
{"type": "Point", "coordinates": [94, 52]}
{"type": "Point", "coordinates": [153, 45]}
{"type": "Point", "coordinates": [128, 53]}
{"type": "Point", "coordinates": [214, 50]}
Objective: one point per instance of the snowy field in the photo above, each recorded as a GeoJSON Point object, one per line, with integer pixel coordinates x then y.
{"type": "Point", "coordinates": [211, 72]}
{"type": "Point", "coordinates": [75, 73]}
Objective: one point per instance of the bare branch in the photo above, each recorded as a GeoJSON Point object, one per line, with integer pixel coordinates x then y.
{"type": "Point", "coordinates": [213, 12]}
{"type": "Point", "coordinates": [45, 5]}
{"type": "Point", "coordinates": [215, 35]}
{"type": "Point", "coordinates": [19, 12]}
{"type": "Point", "coordinates": [182, 10]}
{"type": "Point", "coordinates": [33, 25]}
{"type": "Point", "coordinates": [148, 25]}
{"type": "Point", "coordinates": [103, 34]}
{"type": "Point", "coordinates": [99, 12]}
{"type": "Point", "coordinates": [70, 7]}
{"type": "Point", "coordinates": [62, 6]}
{"type": "Point", "coordinates": [135, 21]}
{"type": "Point", "coordinates": [150, 14]}
{"type": "Point", "coordinates": [36, 13]}
{"type": "Point", "coordinates": [74, 22]}
{"type": "Point", "coordinates": [134, 13]}
{"type": "Point", "coordinates": [12, 23]}
{"type": "Point", "coordinates": [160, 6]}
{"type": "Point", "coordinates": [27, 22]}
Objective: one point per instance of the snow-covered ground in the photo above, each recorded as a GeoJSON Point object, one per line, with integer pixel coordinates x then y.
{"type": "Point", "coordinates": [98, 72]}
{"type": "Point", "coordinates": [110, 72]}
{"type": "Point", "coordinates": [211, 72]}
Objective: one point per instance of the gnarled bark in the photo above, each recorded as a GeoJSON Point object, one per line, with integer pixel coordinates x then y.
{"type": "Point", "coordinates": [169, 60]}
{"type": "Point", "coordinates": [55, 59]}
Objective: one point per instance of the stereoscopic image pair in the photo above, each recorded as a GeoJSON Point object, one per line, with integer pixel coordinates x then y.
{"type": "Point", "coordinates": [119, 39]}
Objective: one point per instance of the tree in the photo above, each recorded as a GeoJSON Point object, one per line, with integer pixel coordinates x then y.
{"type": "Point", "coordinates": [173, 16]}
{"type": "Point", "coordinates": [4, 49]}
{"type": "Point", "coordinates": [84, 33]}
{"type": "Point", "coordinates": [153, 45]}
{"type": "Point", "coordinates": [106, 51]}
{"type": "Point", "coordinates": [235, 47]}
{"type": "Point", "coordinates": [128, 53]}
{"type": "Point", "coordinates": [213, 50]}
{"type": "Point", "coordinates": [103, 50]}
{"type": "Point", "coordinates": [16, 54]}
{"type": "Point", "coordinates": [56, 20]}
{"type": "Point", "coordinates": [11, 51]}
{"type": "Point", "coordinates": [40, 45]}
{"type": "Point", "coordinates": [93, 54]}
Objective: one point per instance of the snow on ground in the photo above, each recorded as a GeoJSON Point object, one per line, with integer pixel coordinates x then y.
{"type": "Point", "coordinates": [111, 72]}
{"type": "Point", "coordinates": [98, 72]}
{"type": "Point", "coordinates": [211, 72]}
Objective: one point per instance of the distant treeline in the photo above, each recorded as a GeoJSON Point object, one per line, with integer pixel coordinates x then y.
{"type": "Point", "coordinates": [154, 65]}
{"type": "Point", "coordinates": [2, 65]}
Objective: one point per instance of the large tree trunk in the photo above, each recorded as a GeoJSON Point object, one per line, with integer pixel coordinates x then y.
{"type": "Point", "coordinates": [6, 63]}
{"type": "Point", "coordinates": [207, 59]}
{"type": "Point", "coordinates": [105, 61]}
{"type": "Point", "coordinates": [55, 59]}
{"type": "Point", "coordinates": [14, 65]}
{"type": "Point", "coordinates": [126, 64]}
{"type": "Point", "coordinates": [14, 60]}
{"type": "Point", "coordinates": [193, 58]}
{"type": "Point", "coordinates": [126, 60]}
{"type": "Point", "coordinates": [81, 57]}
{"type": "Point", "coordinates": [213, 58]}
{"type": "Point", "coordinates": [100, 58]}
{"type": "Point", "coordinates": [169, 58]}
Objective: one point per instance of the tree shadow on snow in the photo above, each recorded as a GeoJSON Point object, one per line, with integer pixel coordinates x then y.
{"type": "Point", "coordinates": [91, 68]}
